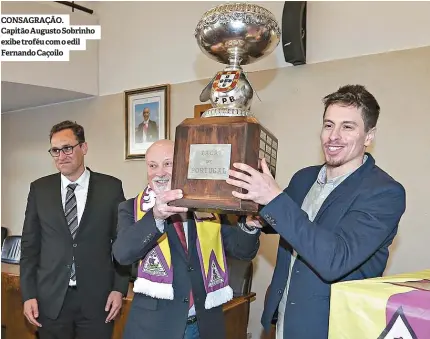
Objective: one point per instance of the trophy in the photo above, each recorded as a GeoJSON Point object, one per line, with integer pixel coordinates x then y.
{"type": "Point", "coordinates": [206, 147]}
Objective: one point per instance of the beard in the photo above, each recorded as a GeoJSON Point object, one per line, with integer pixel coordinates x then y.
{"type": "Point", "coordinates": [161, 183]}
{"type": "Point", "coordinates": [334, 162]}
{"type": "Point", "coordinates": [335, 158]}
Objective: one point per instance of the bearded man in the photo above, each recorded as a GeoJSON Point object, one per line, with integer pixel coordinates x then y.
{"type": "Point", "coordinates": [182, 278]}
{"type": "Point", "coordinates": [335, 221]}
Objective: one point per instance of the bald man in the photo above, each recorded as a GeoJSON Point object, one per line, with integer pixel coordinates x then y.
{"type": "Point", "coordinates": [182, 278]}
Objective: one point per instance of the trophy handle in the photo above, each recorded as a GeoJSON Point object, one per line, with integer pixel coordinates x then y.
{"type": "Point", "coordinates": [206, 93]}
{"type": "Point", "coordinates": [252, 88]}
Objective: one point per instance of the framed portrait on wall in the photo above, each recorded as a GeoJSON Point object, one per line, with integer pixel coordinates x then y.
{"type": "Point", "coordinates": [147, 119]}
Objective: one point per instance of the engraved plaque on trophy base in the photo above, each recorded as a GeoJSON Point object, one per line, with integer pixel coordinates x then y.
{"type": "Point", "coordinates": [206, 148]}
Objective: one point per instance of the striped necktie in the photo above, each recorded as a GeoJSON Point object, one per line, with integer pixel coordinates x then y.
{"type": "Point", "coordinates": [71, 213]}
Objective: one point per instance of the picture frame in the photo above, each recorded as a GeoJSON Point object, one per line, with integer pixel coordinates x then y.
{"type": "Point", "coordinates": [200, 109]}
{"type": "Point", "coordinates": [150, 104]}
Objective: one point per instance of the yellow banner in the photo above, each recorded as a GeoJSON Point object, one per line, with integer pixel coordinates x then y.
{"type": "Point", "coordinates": [390, 307]}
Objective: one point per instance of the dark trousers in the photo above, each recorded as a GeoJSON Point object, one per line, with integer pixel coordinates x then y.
{"type": "Point", "coordinates": [71, 323]}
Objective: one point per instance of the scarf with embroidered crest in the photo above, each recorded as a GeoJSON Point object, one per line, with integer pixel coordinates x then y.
{"type": "Point", "coordinates": [155, 270]}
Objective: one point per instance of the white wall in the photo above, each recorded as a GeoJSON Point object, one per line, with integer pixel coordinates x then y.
{"type": "Point", "coordinates": [145, 43]}
{"type": "Point", "coordinates": [80, 74]}
{"type": "Point", "coordinates": [344, 29]}
{"type": "Point", "coordinates": [149, 43]}
{"type": "Point", "coordinates": [291, 108]}
{"type": "Point", "coordinates": [141, 46]}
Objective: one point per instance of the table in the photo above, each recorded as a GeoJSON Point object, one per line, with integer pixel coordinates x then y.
{"type": "Point", "coordinates": [236, 312]}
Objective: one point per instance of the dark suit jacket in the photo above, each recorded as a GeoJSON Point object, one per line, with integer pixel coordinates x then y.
{"type": "Point", "coordinates": [151, 132]}
{"type": "Point", "coordinates": [48, 247]}
{"type": "Point", "coordinates": [152, 318]}
{"type": "Point", "coordinates": [348, 240]}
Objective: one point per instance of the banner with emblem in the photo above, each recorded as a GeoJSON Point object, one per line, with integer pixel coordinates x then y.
{"type": "Point", "coordinates": [391, 307]}
{"type": "Point", "coordinates": [225, 81]}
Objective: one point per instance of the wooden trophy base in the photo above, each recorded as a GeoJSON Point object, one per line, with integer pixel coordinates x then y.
{"type": "Point", "coordinates": [205, 149]}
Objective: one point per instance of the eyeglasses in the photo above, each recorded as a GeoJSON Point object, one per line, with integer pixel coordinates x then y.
{"type": "Point", "coordinates": [67, 150]}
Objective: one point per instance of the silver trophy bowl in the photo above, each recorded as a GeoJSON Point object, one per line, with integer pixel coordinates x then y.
{"type": "Point", "coordinates": [242, 31]}
{"type": "Point", "coordinates": [234, 34]}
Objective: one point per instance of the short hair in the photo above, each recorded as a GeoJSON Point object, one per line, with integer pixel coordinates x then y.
{"type": "Point", "coordinates": [77, 130]}
{"type": "Point", "coordinates": [356, 96]}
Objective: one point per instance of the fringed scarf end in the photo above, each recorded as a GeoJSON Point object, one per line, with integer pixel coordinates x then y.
{"type": "Point", "coordinates": [218, 297]}
{"type": "Point", "coordinates": [153, 289]}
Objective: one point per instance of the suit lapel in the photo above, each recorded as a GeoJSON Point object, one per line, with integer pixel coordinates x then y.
{"type": "Point", "coordinates": [345, 188]}
{"type": "Point", "coordinates": [300, 195]}
{"type": "Point", "coordinates": [349, 185]}
{"type": "Point", "coordinates": [54, 192]}
{"type": "Point", "coordinates": [176, 242]}
{"type": "Point", "coordinates": [89, 202]}
{"type": "Point", "coordinates": [192, 235]}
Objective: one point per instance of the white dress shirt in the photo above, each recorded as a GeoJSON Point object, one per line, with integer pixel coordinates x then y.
{"type": "Point", "coordinates": [144, 135]}
{"type": "Point", "coordinates": [81, 193]}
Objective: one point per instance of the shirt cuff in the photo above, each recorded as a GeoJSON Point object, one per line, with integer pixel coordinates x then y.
{"type": "Point", "coordinates": [248, 229]}
{"type": "Point", "coordinates": [159, 223]}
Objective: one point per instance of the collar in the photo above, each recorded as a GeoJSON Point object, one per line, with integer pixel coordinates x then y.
{"type": "Point", "coordinates": [322, 175]}
{"type": "Point", "coordinates": [82, 181]}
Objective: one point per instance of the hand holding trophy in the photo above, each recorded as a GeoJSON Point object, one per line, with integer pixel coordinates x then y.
{"type": "Point", "coordinates": [206, 147]}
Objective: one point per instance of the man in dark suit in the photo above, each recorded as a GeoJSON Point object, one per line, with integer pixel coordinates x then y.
{"type": "Point", "coordinates": [69, 282]}
{"type": "Point", "coordinates": [147, 131]}
{"type": "Point", "coordinates": [180, 315]}
{"type": "Point", "coordinates": [335, 221]}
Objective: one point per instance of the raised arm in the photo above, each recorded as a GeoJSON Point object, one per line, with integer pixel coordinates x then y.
{"type": "Point", "coordinates": [239, 242]}
{"type": "Point", "coordinates": [370, 223]}
{"type": "Point", "coordinates": [134, 239]}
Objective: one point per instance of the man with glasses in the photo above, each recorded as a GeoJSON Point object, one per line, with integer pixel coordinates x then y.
{"type": "Point", "coordinates": [70, 284]}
